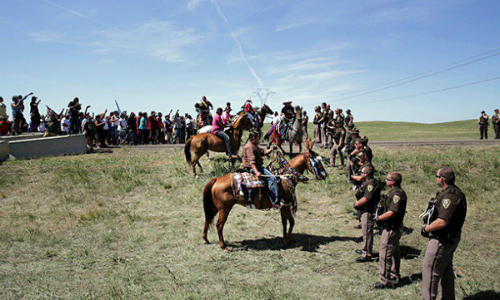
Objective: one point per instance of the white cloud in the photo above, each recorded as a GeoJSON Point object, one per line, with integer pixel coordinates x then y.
{"type": "Point", "coordinates": [162, 39]}
{"type": "Point", "coordinates": [293, 25]}
{"type": "Point", "coordinates": [45, 36]}
{"type": "Point", "coordinates": [193, 4]}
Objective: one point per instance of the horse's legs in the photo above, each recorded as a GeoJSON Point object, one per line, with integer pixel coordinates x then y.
{"type": "Point", "coordinates": [291, 150]}
{"type": "Point", "coordinates": [289, 216]}
{"type": "Point", "coordinates": [205, 230]}
{"type": "Point", "coordinates": [300, 147]}
{"type": "Point", "coordinates": [208, 157]}
{"type": "Point", "coordinates": [223, 214]}
{"type": "Point", "coordinates": [282, 150]}
{"type": "Point", "coordinates": [283, 220]}
{"type": "Point", "coordinates": [196, 161]}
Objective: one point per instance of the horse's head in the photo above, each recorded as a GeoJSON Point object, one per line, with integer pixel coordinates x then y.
{"type": "Point", "coordinates": [266, 110]}
{"type": "Point", "coordinates": [311, 161]}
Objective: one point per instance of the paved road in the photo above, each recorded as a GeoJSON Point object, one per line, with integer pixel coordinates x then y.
{"type": "Point", "coordinates": [436, 143]}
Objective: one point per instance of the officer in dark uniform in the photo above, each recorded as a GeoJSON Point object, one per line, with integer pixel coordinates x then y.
{"type": "Point", "coordinates": [338, 138]}
{"type": "Point", "coordinates": [444, 231]}
{"type": "Point", "coordinates": [367, 206]}
{"type": "Point", "coordinates": [391, 220]}
{"type": "Point", "coordinates": [366, 149]}
{"type": "Point", "coordinates": [483, 124]}
{"type": "Point", "coordinates": [352, 135]}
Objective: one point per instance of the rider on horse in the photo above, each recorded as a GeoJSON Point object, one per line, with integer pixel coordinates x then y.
{"type": "Point", "coordinates": [226, 115]}
{"type": "Point", "coordinates": [203, 108]}
{"type": "Point", "coordinates": [288, 113]}
{"type": "Point", "coordinates": [252, 160]}
{"type": "Point", "coordinates": [218, 129]}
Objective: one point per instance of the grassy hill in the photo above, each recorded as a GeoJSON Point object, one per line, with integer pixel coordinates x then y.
{"type": "Point", "coordinates": [406, 131]}
{"type": "Point", "coordinates": [127, 225]}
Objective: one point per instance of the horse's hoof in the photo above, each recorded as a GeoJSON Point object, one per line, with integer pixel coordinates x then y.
{"type": "Point", "coordinates": [196, 176]}
{"type": "Point", "coordinates": [227, 249]}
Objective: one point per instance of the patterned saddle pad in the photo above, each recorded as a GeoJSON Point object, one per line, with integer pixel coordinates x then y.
{"type": "Point", "coordinates": [246, 180]}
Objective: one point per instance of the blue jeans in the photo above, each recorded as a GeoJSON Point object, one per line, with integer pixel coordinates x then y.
{"type": "Point", "coordinates": [223, 136]}
{"type": "Point", "coordinates": [272, 184]}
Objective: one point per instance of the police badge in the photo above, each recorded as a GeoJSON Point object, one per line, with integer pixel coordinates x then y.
{"type": "Point", "coordinates": [396, 199]}
{"type": "Point", "coordinates": [446, 203]}
{"type": "Point", "coordinates": [370, 188]}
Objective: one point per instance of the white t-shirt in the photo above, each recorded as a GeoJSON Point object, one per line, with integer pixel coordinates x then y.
{"type": "Point", "coordinates": [276, 119]}
{"type": "Point", "coordinates": [65, 125]}
{"type": "Point", "coordinates": [123, 124]}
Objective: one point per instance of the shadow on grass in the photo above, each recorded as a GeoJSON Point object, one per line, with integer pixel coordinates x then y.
{"type": "Point", "coordinates": [307, 242]}
{"type": "Point", "coordinates": [408, 252]}
{"type": "Point", "coordinates": [484, 295]}
{"type": "Point", "coordinates": [407, 280]}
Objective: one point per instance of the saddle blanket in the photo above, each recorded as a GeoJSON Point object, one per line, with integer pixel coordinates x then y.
{"type": "Point", "coordinates": [246, 180]}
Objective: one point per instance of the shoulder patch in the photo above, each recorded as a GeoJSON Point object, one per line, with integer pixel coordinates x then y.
{"type": "Point", "coordinates": [396, 199]}
{"type": "Point", "coordinates": [446, 203]}
{"type": "Point", "coordinates": [370, 188]}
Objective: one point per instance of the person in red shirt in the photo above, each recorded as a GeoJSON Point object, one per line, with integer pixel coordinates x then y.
{"type": "Point", "coordinates": [4, 126]}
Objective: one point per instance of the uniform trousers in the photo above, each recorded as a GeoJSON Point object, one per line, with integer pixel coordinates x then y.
{"type": "Point", "coordinates": [437, 270]}
{"type": "Point", "coordinates": [336, 150]}
{"type": "Point", "coordinates": [317, 133]}
{"type": "Point", "coordinates": [483, 129]}
{"type": "Point", "coordinates": [497, 131]}
{"type": "Point", "coordinates": [325, 137]}
{"type": "Point", "coordinates": [367, 223]}
{"type": "Point", "coordinates": [389, 256]}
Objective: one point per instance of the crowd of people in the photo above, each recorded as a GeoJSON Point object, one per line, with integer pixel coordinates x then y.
{"type": "Point", "coordinates": [101, 129]}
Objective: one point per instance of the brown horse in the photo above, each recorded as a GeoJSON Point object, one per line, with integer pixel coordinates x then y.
{"type": "Point", "coordinates": [219, 197]}
{"type": "Point", "coordinates": [302, 162]}
{"type": "Point", "coordinates": [261, 114]}
{"type": "Point", "coordinates": [203, 142]}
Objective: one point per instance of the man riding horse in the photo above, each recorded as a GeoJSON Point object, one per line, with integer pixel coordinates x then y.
{"type": "Point", "coordinates": [252, 161]}
{"type": "Point", "coordinates": [218, 126]}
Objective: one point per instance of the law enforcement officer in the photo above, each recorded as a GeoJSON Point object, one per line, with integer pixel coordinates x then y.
{"type": "Point", "coordinates": [444, 231]}
{"type": "Point", "coordinates": [367, 205]}
{"type": "Point", "coordinates": [391, 220]}
{"type": "Point", "coordinates": [495, 119]}
{"type": "Point", "coordinates": [349, 119]}
{"type": "Point", "coordinates": [322, 123]}
{"type": "Point", "coordinates": [483, 125]}
{"type": "Point", "coordinates": [338, 138]}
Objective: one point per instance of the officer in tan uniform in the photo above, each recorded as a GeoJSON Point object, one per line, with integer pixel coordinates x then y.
{"type": "Point", "coordinates": [495, 119]}
{"type": "Point", "coordinates": [338, 139]}
{"type": "Point", "coordinates": [391, 220]}
{"type": "Point", "coordinates": [367, 205]}
{"type": "Point", "coordinates": [444, 231]}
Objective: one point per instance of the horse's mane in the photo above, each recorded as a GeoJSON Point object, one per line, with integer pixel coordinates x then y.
{"type": "Point", "coordinates": [239, 119]}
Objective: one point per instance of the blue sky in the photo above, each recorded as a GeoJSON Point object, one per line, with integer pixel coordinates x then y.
{"type": "Point", "coordinates": [163, 54]}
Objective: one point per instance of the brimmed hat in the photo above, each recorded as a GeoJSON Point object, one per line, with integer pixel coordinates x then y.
{"type": "Point", "coordinates": [286, 102]}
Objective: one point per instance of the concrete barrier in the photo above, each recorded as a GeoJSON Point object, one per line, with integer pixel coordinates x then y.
{"type": "Point", "coordinates": [24, 136]}
{"type": "Point", "coordinates": [4, 151]}
{"type": "Point", "coordinates": [50, 146]}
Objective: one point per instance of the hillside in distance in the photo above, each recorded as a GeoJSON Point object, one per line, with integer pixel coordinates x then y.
{"type": "Point", "coordinates": [408, 131]}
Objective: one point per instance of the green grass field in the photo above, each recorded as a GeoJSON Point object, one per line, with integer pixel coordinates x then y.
{"type": "Point", "coordinates": [405, 131]}
{"type": "Point", "coordinates": [128, 225]}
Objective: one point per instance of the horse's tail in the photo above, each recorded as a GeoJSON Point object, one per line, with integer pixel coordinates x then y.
{"type": "Point", "coordinates": [187, 150]}
{"type": "Point", "coordinates": [208, 201]}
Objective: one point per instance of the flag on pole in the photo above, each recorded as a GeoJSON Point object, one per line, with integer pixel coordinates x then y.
{"type": "Point", "coordinates": [118, 107]}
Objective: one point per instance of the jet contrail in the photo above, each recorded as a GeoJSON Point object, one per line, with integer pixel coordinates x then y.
{"type": "Point", "coordinates": [235, 38]}
{"type": "Point", "coordinates": [83, 16]}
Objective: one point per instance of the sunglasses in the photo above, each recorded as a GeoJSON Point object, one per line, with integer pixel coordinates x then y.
{"type": "Point", "coordinates": [439, 176]}
{"type": "Point", "coordinates": [364, 173]}
{"type": "Point", "coordinates": [389, 179]}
